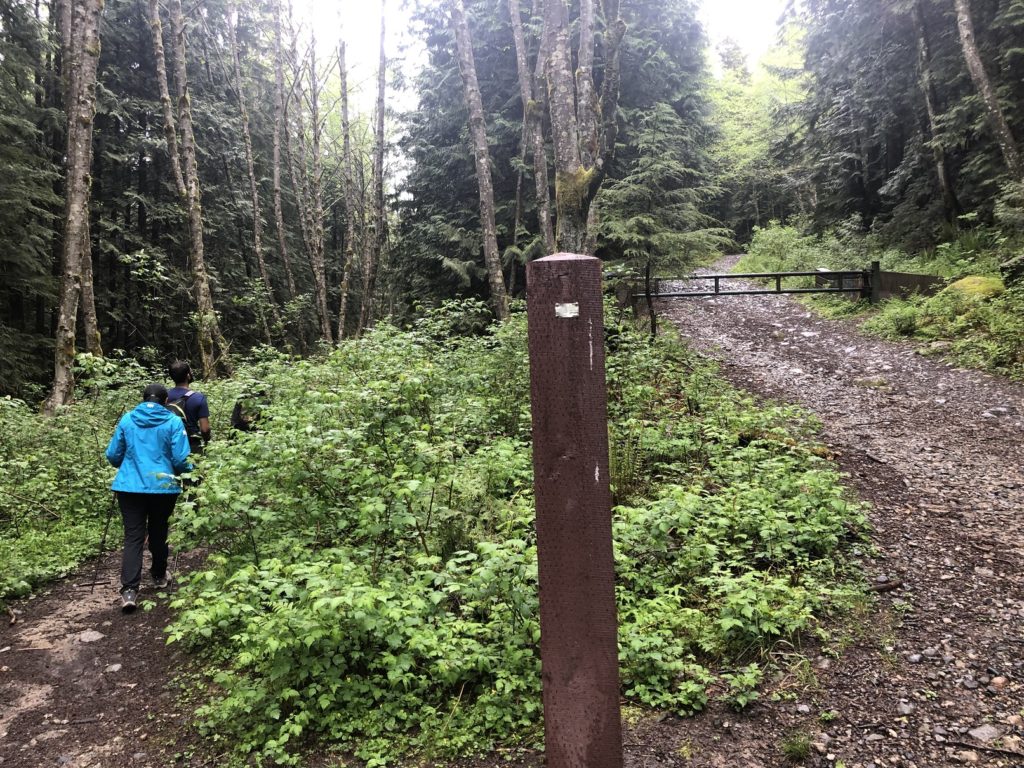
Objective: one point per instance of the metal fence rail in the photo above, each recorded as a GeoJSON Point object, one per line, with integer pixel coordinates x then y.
{"type": "Point", "coordinates": [827, 281]}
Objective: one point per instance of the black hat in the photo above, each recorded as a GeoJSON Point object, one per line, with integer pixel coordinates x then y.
{"type": "Point", "coordinates": [155, 393]}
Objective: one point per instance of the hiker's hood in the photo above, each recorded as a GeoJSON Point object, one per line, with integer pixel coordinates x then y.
{"type": "Point", "coordinates": [146, 415]}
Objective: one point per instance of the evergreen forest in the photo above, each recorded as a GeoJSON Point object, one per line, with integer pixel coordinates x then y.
{"type": "Point", "coordinates": [197, 182]}
{"type": "Point", "coordinates": [207, 181]}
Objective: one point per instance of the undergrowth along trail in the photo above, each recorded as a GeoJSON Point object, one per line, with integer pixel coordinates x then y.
{"type": "Point", "coordinates": [371, 579]}
{"type": "Point", "coordinates": [373, 576]}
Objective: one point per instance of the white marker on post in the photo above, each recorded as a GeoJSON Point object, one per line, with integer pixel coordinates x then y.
{"type": "Point", "coordinates": [567, 310]}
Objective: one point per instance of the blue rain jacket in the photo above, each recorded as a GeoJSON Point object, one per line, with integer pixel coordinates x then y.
{"type": "Point", "coordinates": [149, 448]}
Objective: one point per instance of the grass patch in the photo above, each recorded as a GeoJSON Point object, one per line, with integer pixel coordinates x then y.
{"type": "Point", "coordinates": [796, 746]}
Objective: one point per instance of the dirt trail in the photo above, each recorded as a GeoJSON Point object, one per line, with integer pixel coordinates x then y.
{"type": "Point", "coordinates": [938, 678]}
{"type": "Point", "coordinates": [84, 686]}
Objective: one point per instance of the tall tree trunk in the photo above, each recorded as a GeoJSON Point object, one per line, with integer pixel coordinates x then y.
{"type": "Point", "coordinates": [250, 165]}
{"type": "Point", "coordinates": [211, 340]}
{"type": "Point", "coordinates": [317, 202]}
{"type": "Point", "coordinates": [300, 189]}
{"type": "Point", "coordinates": [481, 157]}
{"type": "Point", "coordinates": [279, 117]}
{"type": "Point", "coordinates": [295, 141]}
{"type": "Point", "coordinates": [582, 127]}
{"type": "Point", "coordinates": [90, 41]}
{"type": "Point", "coordinates": [79, 22]}
{"type": "Point", "coordinates": [90, 321]}
{"type": "Point", "coordinates": [1004, 138]}
{"type": "Point", "coordinates": [374, 241]}
{"type": "Point", "coordinates": [348, 190]}
{"type": "Point", "coordinates": [924, 70]}
{"type": "Point", "coordinates": [615, 30]}
{"type": "Point", "coordinates": [587, 107]}
{"type": "Point", "coordinates": [533, 130]}
{"type": "Point", "coordinates": [170, 131]}
{"type": "Point", "coordinates": [572, 180]}
{"type": "Point", "coordinates": [308, 199]}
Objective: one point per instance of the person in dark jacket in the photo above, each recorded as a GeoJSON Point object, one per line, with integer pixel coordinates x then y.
{"type": "Point", "coordinates": [150, 449]}
{"type": "Point", "coordinates": [192, 406]}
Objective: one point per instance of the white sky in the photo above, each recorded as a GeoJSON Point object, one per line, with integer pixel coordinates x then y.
{"type": "Point", "coordinates": [357, 22]}
{"type": "Point", "coordinates": [751, 23]}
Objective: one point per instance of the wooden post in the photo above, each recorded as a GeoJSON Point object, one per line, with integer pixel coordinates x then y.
{"type": "Point", "coordinates": [876, 282]}
{"type": "Point", "coordinates": [568, 395]}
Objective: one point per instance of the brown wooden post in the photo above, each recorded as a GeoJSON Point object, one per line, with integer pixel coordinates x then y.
{"type": "Point", "coordinates": [568, 395]}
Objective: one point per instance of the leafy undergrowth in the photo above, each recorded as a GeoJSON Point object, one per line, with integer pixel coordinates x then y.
{"type": "Point", "coordinates": [973, 321]}
{"type": "Point", "coordinates": [973, 329]}
{"type": "Point", "coordinates": [372, 588]}
{"type": "Point", "coordinates": [54, 485]}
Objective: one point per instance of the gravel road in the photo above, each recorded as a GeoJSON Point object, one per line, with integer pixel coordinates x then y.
{"type": "Point", "coordinates": [938, 677]}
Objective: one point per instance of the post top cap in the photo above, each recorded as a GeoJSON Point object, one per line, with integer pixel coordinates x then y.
{"type": "Point", "coordinates": [567, 257]}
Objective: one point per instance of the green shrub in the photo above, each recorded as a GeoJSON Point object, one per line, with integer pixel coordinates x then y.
{"type": "Point", "coordinates": [778, 248]}
{"type": "Point", "coordinates": [896, 318]}
{"type": "Point", "coordinates": [373, 576]}
{"type": "Point", "coordinates": [742, 686]}
{"type": "Point", "coordinates": [983, 324]}
{"type": "Point", "coordinates": [54, 487]}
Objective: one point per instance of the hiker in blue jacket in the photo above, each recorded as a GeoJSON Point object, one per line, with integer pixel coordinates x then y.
{"type": "Point", "coordinates": [150, 449]}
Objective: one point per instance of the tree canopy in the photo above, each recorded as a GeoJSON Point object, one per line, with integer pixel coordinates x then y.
{"type": "Point", "coordinates": [224, 211]}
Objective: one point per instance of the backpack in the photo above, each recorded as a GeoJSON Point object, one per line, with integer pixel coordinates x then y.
{"type": "Point", "coordinates": [177, 407]}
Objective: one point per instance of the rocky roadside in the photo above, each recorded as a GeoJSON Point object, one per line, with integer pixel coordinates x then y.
{"type": "Point", "coordinates": [937, 676]}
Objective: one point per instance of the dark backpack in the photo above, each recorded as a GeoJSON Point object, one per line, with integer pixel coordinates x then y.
{"type": "Point", "coordinates": [177, 407]}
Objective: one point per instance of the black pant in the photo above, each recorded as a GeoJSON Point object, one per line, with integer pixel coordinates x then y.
{"type": "Point", "coordinates": [144, 513]}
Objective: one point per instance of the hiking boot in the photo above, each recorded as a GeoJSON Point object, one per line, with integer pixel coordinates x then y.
{"type": "Point", "coordinates": [128, 600]}
{"type": "Point", "coordinates": [162, 582]}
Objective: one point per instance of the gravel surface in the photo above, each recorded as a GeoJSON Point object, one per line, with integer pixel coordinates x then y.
{"type": "Point", "coordinates": [938, 676]}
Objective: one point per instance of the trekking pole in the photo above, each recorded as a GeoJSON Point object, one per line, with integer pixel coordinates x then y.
{"type": "Point", "coordinates": [103, 541]}
{"type": "Point", "coordinates": [106, 526]}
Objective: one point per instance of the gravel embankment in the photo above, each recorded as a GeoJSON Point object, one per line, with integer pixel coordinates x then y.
{"type": "Point", "coordinates": [937, 678]}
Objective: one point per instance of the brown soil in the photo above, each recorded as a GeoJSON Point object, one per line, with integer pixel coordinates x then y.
{"type": "Point", "coordinates": [934, 674]}
{"type": "Point", "coordinates": [83, 685]}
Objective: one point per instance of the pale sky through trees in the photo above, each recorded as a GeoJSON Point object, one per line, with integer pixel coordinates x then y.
{"type": "Point", "coordinates": [358, 23]}
{"type": "Point", "coordinates": [751, 23]}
